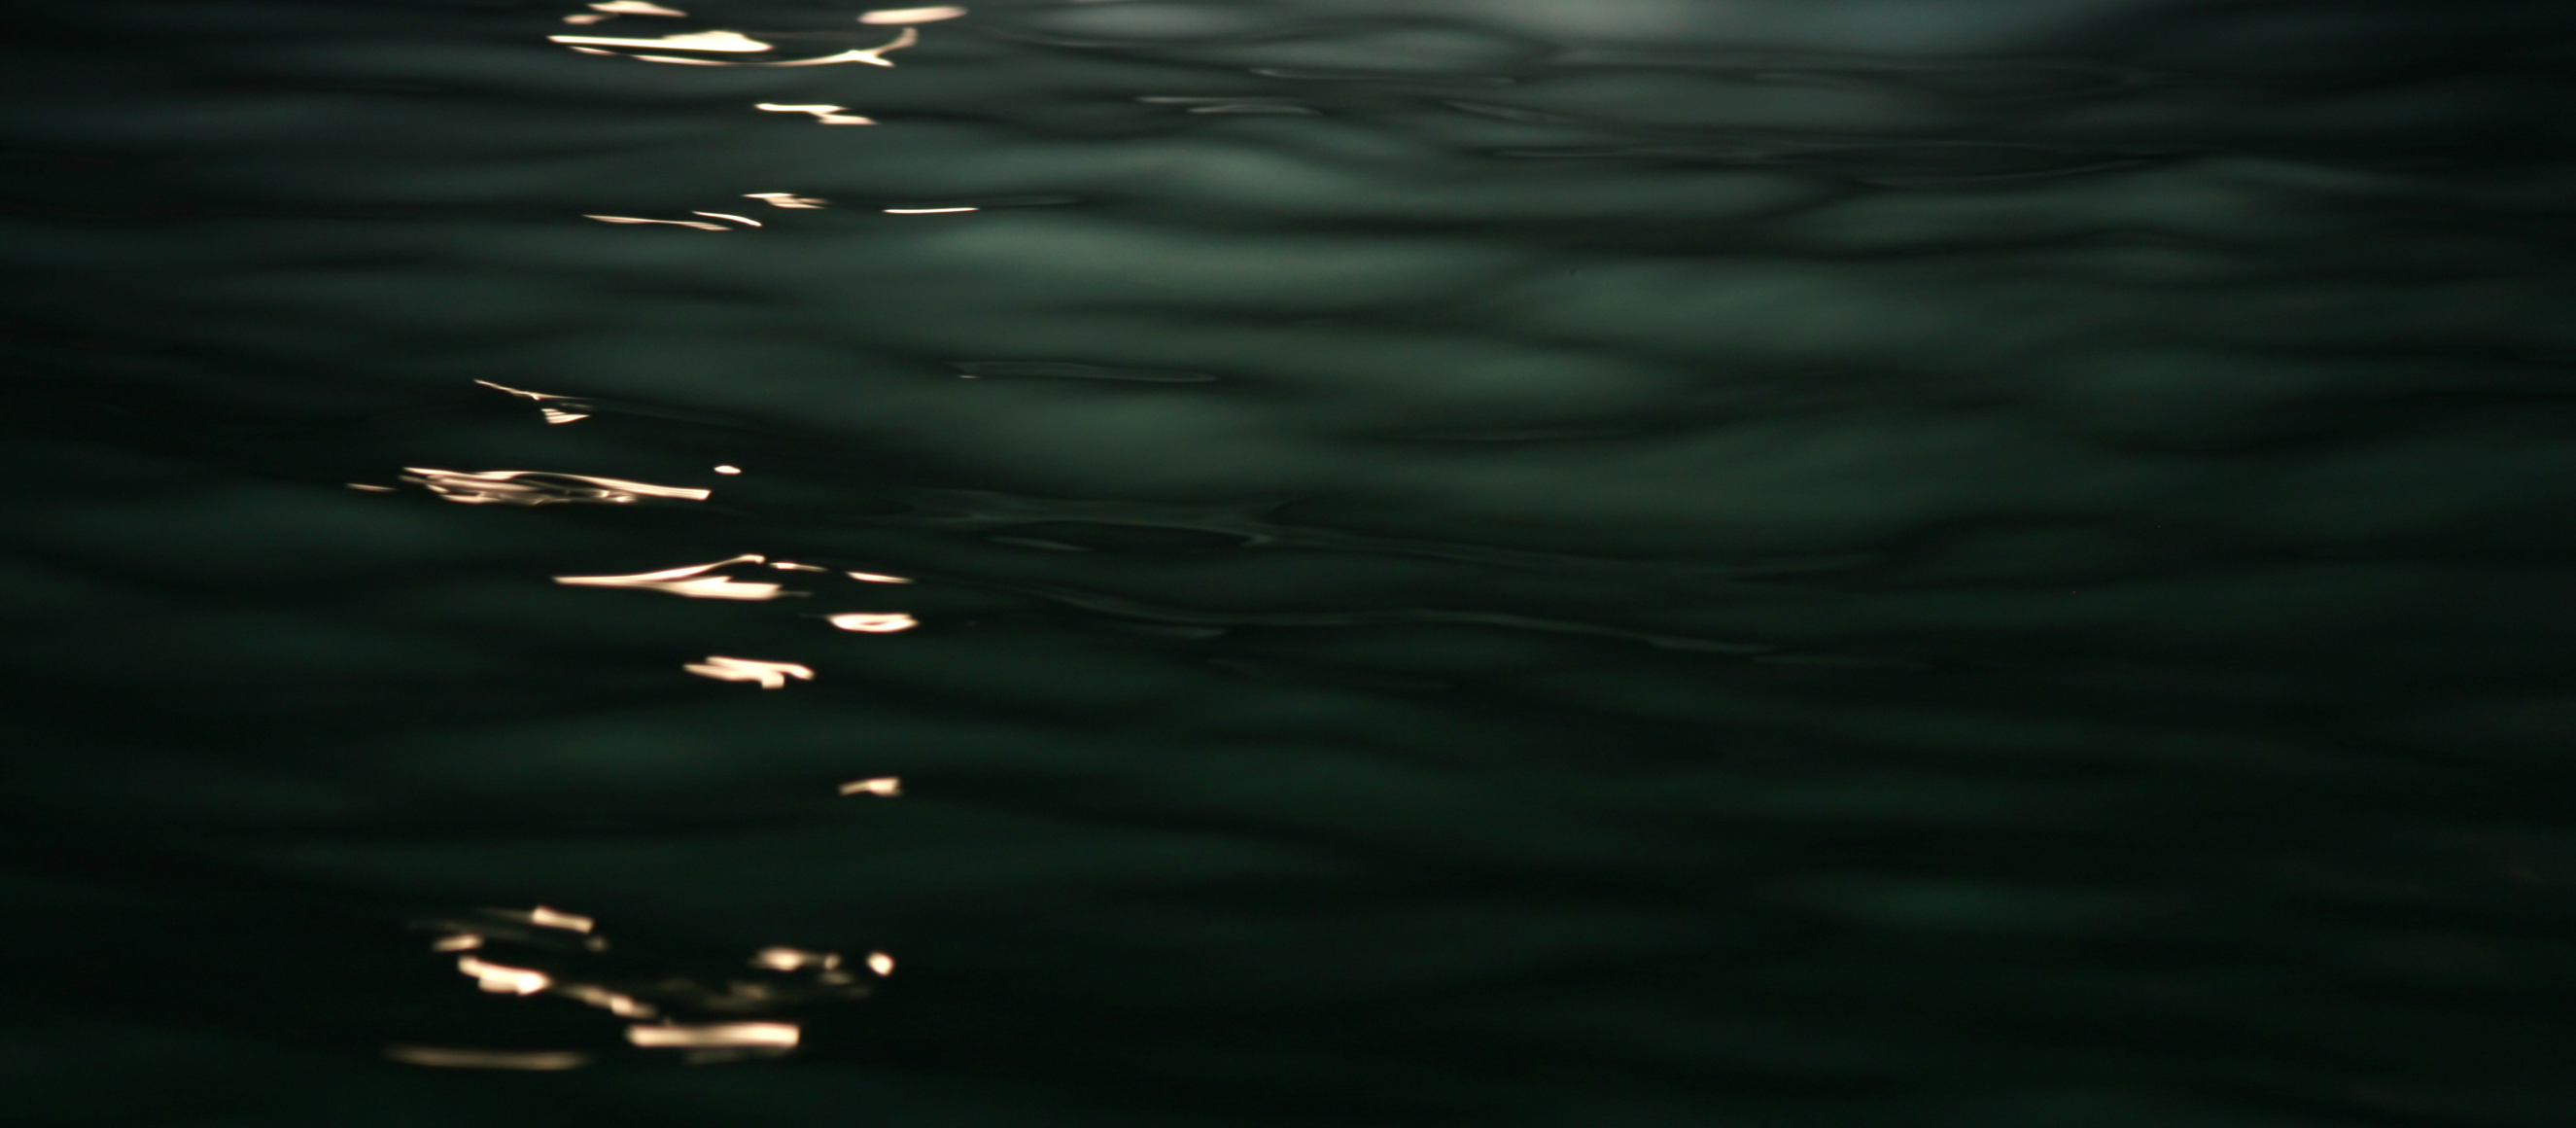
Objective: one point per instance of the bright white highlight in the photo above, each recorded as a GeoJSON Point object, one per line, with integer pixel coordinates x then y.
{"type": "Point", "coordinates": [828, 115]}
{"type": "Point", "coordinates": [501, 980]}
{"type": "Point", "coordinates": [690, 582]}
{"type": "Point", "coordinates": [781, 1035]}
{"type": "Point", "coordinates": [770, 675]}
{"type": "Point", "coordinates": [911, 15]}
{"type": "Point", "coordinates": [725, 41]}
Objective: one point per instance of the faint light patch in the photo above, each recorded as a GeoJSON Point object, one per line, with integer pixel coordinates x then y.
{"type": "Point", "coordinates": [461, 942]}
{"type": "Point", "coordinates": [538, 487]}
{"type": "Point", "coordinates": [880, 963]}
{"type": "Point", "coordinates": [926, 211]}
{"type": "Point", "coordinates": [792, 566]}
{"type": "Point", "coordinates": [874, 622]}
{"type": "Point", "coordinates": [698, 224]}
{"type": "Point", "coordinates": [721, 41]}
{"type": "Point", "coordinates": [444, 1058]}
{"type": "Point", "coordinates": [635, 8]}
{"type": "Point", "coordinates": [771, 1035]}
{"type": "Point", "coordinates": [792, 959]}
{"type": "Point", "coordinates": [554, 415]}
{"type": "Point", "coordinates": [690, 582]}
{"type": "Point", "coordinates": [828, 115]}
{"type": "Point", "coordinates": [1066, 370]}
{"type": "Point", "coordinates": [371, 489]}
{"type": "Point", "coordinates": [770, 675]}
{"type": "Point", "coordinates": [874, 578]}
{"type": "Point", "coordinates": [910, 15]}
{"type": "Point", "coordinates": [788, 200]}
{"type": "Point", "coordinates": [888, 786]}
{"type": "Point", "coordinates": [1256, 108]}
{"type": "Point", "coordinates": [621, 1005]}
{"type": "Point", "coordinates": [587, 18]}
{"type": "Point", "coordinates": [728, 469]}
{"type": "Point", "coordinates": [502, 980]}
{"type": "Point", "coordinates": [1247, 105]}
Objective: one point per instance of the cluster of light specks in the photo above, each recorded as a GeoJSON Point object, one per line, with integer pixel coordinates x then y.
{"type": "Point", "coordinates": [735, 222]}
{"type": "Point", "coordinates": [557, 954]}
{"type": "Point", "coordinates": [723, 42]}
{"type": "Point", "coordinates": [689, 581]}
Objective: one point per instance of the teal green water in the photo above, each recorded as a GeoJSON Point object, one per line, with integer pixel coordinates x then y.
{"type": "Point", "coordinates": [1517, 563]}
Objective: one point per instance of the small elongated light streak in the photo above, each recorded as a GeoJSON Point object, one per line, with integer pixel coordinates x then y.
{"type": "Point", "coordinates": [888, 786]}
{"type": "Point", "coordinates": [371, 489]}
{"type": "Point", "coordinates": [910, 15]}
{"type": "Point", "coordinates": [670, 59]}
{"type": "Point", "coordinates": [792, 566]}
{"type": "Point", "coordinates": [725, 41]}
{"type": "Point", "coordinates": [873, 578]}
{"type": "Point", "coordinates": [787, 200]}
{"type": "Point", "coordinates": [552, 415]}
{"type": "Point", "coordinates": [728, 469]}
{"type": "Point", "coordinates": [587, 18]}
{"type": "Point", "coordinates": [487, 1059]}
{"type": "Point", "coordinates": [926, 211]}
{"type": "Point", "coordinates": [873, 56]}
{"type": "Point", "coordinates": [522, 393]}
{"type": "Point", "coordinates": [828, 115]}
{"type": "Point", "coordinates": [497, 485]}
{"type": "Point", "coordinates": [790, 959]}
{"type": "Point", "coordinates": [874, 622]}
{"type": "Point", "coordinates": [623, 1006]}
{"type": "Point", "coordinates": [544, 917]}
{"type": "Point", "coordinates": [735, 218]}
{"type": "Point", "coordinates": [770, 675]}
{"type": "Point", "coordinates": [672, 222]}
{"type": "Point", "coordinates": [501, 980]}
{"type": "Point", "coordinates": [635, 8]}
{"type": "Point", "coordinates": [461, 942]}
{"type": "Point", "coordinates": [689, 582]}
{"type": "Point", "coordinates": [881, 963]}
{"type": "Point", "coordinates": [779, 1034]}
{"type": "Point", "coordinates": [708, 587]}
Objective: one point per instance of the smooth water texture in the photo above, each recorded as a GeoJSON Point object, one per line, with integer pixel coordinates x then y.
{"type": "Point", "coordinates": [1514, 563]}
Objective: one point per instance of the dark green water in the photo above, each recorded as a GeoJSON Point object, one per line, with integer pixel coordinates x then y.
{"type": "Point", "coordinates": [1531, 563]}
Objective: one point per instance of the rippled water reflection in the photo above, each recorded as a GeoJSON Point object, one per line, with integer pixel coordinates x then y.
{"type": "Point", "coordinates": [1535, 563]}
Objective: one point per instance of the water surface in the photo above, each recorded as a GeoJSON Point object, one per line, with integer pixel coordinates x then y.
{"type": "Point", "coordinates": [1519, 563]}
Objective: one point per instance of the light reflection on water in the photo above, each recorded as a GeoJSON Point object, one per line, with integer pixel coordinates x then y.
{"type": "Point", "coordinates": [1526, 563]}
